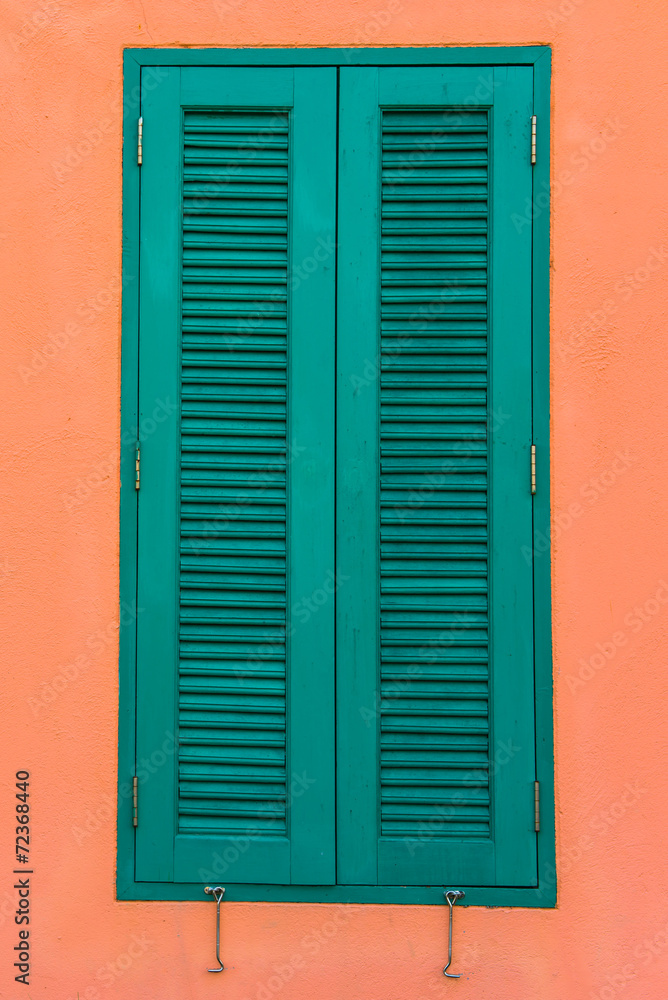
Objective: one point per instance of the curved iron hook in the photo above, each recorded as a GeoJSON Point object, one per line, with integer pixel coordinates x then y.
{"type": "Point", "coordinates": [218, 893]}
{"type": "Point", "coordinates": [451, 897]}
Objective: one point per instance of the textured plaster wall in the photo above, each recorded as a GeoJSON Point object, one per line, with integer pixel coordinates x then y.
{"type": "Point", "coordinates": [60, 235]}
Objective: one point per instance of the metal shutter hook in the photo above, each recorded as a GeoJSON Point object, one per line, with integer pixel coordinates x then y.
{"type": "Point", "coordinates": [218, 893]}
{"type": "Point", "coordinates": [451, 897]}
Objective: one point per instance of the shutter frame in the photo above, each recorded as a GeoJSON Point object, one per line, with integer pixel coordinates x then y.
{"type": "Point", "coordinates": [429, 856]}
{"type": "Point", "coordinates": [152, 64]}
{"type": "Point", "coordinates": [214, 825]}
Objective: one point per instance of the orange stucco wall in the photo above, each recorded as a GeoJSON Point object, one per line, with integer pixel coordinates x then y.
{"type": "Point", "coordinates": [60, 234]}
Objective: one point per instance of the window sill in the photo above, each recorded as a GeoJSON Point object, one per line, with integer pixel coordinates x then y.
{"type": "Point", "coordinates": [504, 896]}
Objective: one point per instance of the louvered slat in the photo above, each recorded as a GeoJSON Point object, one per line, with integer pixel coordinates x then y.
{"type": "Point", "coordinates": [232, 773]}
{"type": "Point", "coordinates": [434, 754]}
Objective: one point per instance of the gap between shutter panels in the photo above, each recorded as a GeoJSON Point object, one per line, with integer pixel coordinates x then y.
{"type": "Point", "coordinates": [434, 755]}
{"type": "Point", "coordinates": [232, 670]}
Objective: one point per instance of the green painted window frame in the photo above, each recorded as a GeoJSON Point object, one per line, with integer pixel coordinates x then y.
{"type": "Point", "coordinates": [136, 60]}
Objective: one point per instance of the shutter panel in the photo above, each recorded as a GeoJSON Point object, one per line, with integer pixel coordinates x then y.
{"type": "Point", "coordinates": [435, 376]}
{"type": "Point", "coordinates": [243, 476]}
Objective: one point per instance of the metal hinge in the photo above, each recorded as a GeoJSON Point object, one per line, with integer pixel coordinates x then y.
{"type": "Point", "coordinates": [536, 806]}
{"type": "Point", "coordinates": [137, 460]}
{"type": "Point", "coordinates": [533, 138]}
{"type": "Point", "coordinates": [134, 801]}
{"type": "Point", "coordinates": [140, 137]}
{"type": "Point", "coordinates": [533, 469]}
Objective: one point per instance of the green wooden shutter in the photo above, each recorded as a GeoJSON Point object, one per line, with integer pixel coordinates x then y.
{"type": "Point", "coordinates": [434, 635]}
{"type": "Point", "coordinates": [236, 504]}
